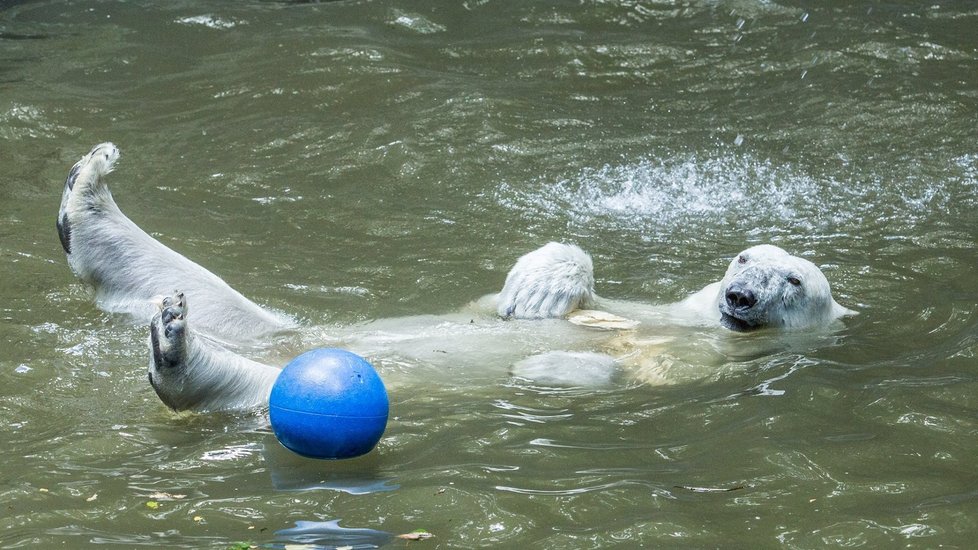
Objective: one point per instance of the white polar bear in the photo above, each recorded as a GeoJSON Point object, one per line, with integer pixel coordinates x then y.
{"type": "Point", "coordinates": [764, 286]}
{"type": "Point", "coordinates": [189, 370]}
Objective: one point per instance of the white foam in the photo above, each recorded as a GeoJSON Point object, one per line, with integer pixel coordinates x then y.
{"type": "Point", "coordinates": [731, 192]}
{"type": "Point", "coordinates": [209, 21]}
{"type": "Point", "coordinates": [659, 194]}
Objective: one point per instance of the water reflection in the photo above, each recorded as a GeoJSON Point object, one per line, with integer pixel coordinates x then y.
{"type": "Point", "coordinates": [329, 534]}
{"type": "Point", "coordinates": [291, 472]}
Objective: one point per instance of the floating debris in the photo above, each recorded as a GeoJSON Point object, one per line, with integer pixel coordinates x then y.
{"type": "Point", "coordinates": [600, 319]}
{"type": "Point", "coordinates": [165, 496]}
{"type": "Point", "coordinates": [417, 534]}
{"type": "Point", "coordinates": [710, 489]}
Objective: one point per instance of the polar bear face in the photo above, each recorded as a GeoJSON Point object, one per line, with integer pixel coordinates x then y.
{"type": "Point", "coordinates": [767, 287]}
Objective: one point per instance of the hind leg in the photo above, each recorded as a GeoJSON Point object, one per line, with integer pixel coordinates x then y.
{"type": "Point", "coordinates": [129, 268]}
{"type": "Point", "coordinates": [168, 341]}
{"type": "Point", "coordinates": [189, 372]}
{"type": "Point", "coordinates": [84, 191]}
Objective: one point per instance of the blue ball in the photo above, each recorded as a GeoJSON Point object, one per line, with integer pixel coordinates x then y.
{"type": "Point", "coordinates": [328, 403]}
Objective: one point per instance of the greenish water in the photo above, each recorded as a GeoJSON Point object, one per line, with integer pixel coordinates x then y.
{"type": "Point", "coordinates": [354, 161]}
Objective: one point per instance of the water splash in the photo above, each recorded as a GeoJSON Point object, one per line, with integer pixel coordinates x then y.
{"type": "Point", "coordinates": [209, 21]}
{"type": "Point", "coordinates": [659, 194]}
{"type": "Point", "coordinates": [728, 192]}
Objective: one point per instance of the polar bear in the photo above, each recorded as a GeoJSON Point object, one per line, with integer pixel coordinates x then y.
{"type": "Point", "coordinates": [764, 286]}
{"type": "Point", "coordinates": [192, 368]}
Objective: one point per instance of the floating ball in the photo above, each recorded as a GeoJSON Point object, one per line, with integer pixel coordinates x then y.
{"type": "Point", "coordinates": [328, 403]}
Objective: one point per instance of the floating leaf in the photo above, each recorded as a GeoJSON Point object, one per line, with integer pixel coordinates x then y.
{"type": "Point", "coordinates": [417, 534]}
{"type": "Point", "coordinates": [241, 546]}
{"type": "Point", "coordinates": [152, 504]}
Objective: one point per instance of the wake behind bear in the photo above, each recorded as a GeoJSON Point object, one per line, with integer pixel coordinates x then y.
{"type": "Point", "coordinates": [192, 368]}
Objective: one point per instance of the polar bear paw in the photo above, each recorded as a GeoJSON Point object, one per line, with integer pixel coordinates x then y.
{"type": "Point", "coordinates": [549, 282]}
{"type": "Point", "coordinates": [84, 190]}
{"type": "Point", "coordinates": [168, 334]}
{"type": "Point", "coordinates": [85, 177]}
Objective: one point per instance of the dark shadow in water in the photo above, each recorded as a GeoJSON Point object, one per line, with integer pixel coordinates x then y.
{"type": "Point", "coordinates": [304, 1]}
{"type": "Point", "coordinates": [20, 36]}
{"type": "Point", "coordinates": [329, 534]}
{"type": "Point", "coordinates": [355, 476]}
{"type": "Point", "coordinates": [7, 4]}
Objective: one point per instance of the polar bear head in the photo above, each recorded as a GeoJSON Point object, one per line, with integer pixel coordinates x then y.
{"type": "Point", "coordinates": [767, 287]}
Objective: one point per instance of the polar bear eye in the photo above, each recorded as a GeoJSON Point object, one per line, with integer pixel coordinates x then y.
{"type": "Point", "coordinates": [795, 281]}
{"type": "Point", "coordinates": [741, 259]}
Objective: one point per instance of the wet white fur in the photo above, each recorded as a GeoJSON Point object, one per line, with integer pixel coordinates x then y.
{"type": "Point", "coordinates": [131, 270]}
{"type": "Point", "coordinates": [217, 379]}
{"type": "Point", "coordinates": [780, 303]}
{"type": "Point", "coordinates": [210, 377]}
{"type": "Point", "coordinates": [556, 279]}
{"type": "Point", "coordinates": [548, 282]}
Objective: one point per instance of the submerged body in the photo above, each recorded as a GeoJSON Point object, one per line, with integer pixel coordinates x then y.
{"type": "Point", "coordinates": [191, 367]}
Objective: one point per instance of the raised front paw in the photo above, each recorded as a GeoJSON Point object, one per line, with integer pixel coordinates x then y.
{"type": "Point", "coordinates": [549, 282]}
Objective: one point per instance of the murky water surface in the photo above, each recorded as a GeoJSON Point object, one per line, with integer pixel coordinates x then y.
{"type": "Point", "coordinates": [357, 161]}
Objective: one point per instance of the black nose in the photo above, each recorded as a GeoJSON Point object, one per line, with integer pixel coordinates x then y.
{"type": "Point", "coordinates": [740, 298]}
